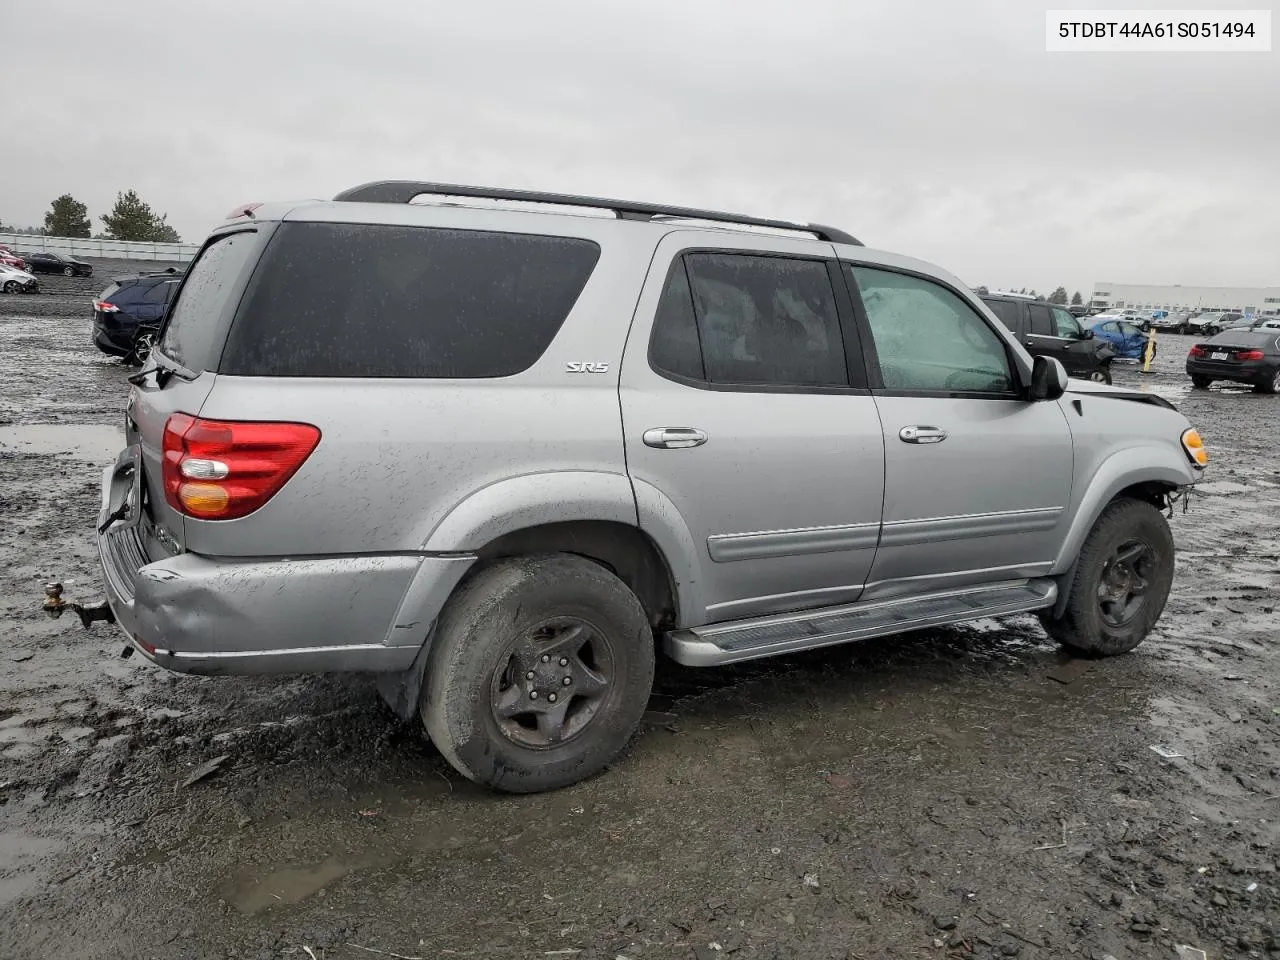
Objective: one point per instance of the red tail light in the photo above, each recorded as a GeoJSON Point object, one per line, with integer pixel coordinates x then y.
{"type": "Point", "coordinates": [1249, 355]}
{"type": "Point", "coordinates": [105, 306]}
{"type": "Point", "coordinates": [1199, 351]}
{"type": "Point", "coordinates": [221, 470]}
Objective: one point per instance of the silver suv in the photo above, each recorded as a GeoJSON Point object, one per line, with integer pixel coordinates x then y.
{"type": "Point", "coordinates": [501, 448]}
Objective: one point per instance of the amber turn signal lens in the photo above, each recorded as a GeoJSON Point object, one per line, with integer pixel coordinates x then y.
{"type": "Point", "coordinates": [203, 499]}
{"type": "Point", "coordinates": [1194, 446]}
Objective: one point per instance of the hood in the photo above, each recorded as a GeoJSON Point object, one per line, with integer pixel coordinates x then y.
{"type": "Point", "coordinates": [1115, 393]}
{"type": "Point", "coordinates": [12, 273]}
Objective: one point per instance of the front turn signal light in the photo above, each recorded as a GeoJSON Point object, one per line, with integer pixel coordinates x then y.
{"type": "Point", "coordinates": [1194, 446]}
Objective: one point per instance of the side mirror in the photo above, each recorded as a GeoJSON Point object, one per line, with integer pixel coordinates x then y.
{"type": "Point", "coordinates": [1048, 379]}
{"type": "Point", "coordinates": [1086, 334]}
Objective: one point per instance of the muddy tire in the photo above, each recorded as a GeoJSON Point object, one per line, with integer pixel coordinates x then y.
{"type": "Point", "coordinates": [1121, 582]}
{"type": "Point", "coordinates": [540, 671]}
{"type": "Point", "coordinates": [1201, 383]}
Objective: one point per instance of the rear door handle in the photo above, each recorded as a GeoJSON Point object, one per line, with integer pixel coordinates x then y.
{"type": "Point", "coordinates": [922, 435]}
{"type": "Point", "coordinates": [674, 438]}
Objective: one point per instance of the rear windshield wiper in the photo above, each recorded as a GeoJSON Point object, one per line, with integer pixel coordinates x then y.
{"type": "Point", "coordinates": [163, 371]}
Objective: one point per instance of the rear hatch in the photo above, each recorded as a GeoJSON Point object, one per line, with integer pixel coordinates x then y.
{"type": "Point", "coordinates": [181, 369]}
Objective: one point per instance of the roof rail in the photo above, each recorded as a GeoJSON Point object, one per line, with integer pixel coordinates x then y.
{"type": "Point", "coordinates": [403, 191]}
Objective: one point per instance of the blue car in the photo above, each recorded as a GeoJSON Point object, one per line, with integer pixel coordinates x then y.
{"type": "Point", "coordinates": [1129, 340]}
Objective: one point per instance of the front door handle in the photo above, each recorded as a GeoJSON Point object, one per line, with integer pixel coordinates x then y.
{"type": "Point", "coordinates": [922, 435]}
{"type": "Point", "coordinates": [674, 438]}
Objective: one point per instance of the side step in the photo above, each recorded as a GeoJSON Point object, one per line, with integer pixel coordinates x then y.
{"type": "Point", "coordinates": [788, 632]}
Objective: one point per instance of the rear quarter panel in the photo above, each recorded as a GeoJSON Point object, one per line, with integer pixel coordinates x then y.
{"type": "Point", "coordinates": [399, 456]}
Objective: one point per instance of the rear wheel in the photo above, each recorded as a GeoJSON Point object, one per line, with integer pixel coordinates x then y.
{"type": "Point", "coordinates": [540, 672]}
{"type": "Point", "coordinates": [1271, 385]}
{"type": "Point", "coordinates": [1201, 383]}
{"type": "Point", "coordinates": [1121, 583]}
{"type": "Point", "coordinates": [142, 345]}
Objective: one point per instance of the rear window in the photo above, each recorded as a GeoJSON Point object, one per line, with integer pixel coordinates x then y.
{"type": "Point", "coordinates": [113, 291]}
{"type": "Point", "coordinates": [364, 300]}
{"type": "Point", "coordinates": [191, 337]}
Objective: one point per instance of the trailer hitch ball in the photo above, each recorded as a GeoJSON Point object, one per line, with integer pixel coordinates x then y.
{"type": "Point", "coordinates": [54, 605]}
{"type": "Point", "coordinates": [53, 602]}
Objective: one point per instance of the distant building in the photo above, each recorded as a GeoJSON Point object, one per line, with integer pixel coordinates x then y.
{"type": "Point", "coordinates": [1180, 299]}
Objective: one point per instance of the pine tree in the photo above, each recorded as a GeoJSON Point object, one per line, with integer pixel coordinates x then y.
{"type": "Point", "coordinates": [67, 217]}
{"type": "Point", "coordinates": [133, 219]}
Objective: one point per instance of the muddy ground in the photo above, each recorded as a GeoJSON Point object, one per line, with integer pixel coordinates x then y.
{"type": "Point", "coordinates": [936, 794]}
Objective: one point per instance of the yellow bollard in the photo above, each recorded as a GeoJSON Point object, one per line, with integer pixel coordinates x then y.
{"type": "Point", "coordinates": [1149, 353]}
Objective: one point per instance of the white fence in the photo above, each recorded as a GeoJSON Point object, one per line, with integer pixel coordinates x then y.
{"type": "Point", "coordinates": [114, 249]}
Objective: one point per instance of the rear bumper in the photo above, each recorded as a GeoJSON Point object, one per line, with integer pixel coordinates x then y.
{"type": "Point", "coordinates": [195, 614]}
{"type": "Point", "coordinates": [1249, 371]}
{"type": "Point", "coordinates": [108, 343]}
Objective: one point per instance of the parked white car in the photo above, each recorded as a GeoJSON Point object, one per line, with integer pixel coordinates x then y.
{"type": "Point", "coordinates": [13, 280]}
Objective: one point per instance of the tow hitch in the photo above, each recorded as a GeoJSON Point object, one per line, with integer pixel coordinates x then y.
{"type": "Point", "coordinates": [54, 605]}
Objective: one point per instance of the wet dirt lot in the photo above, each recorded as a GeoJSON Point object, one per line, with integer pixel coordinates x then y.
{"type": "Point", "coordinates": [963, 792]}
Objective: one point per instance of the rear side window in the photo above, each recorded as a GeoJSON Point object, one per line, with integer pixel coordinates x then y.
{"type": "Point", "coordinates": [365, 300]}
{"type": "Point", "coordinates": [674, 346]}
{"type": "Point", "coordinates": [191, 335]}
{"type": "Point", "coordinates": [1006, 312]}
{"type": "Point", "coordinates": [1041, 320]}
{"type": "Point", "coordinates": [157, 292]}
{"type": "Point", "coordinates": [767, 320]}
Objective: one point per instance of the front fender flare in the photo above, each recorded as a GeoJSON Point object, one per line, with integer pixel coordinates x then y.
{"type": "Point", "coordinates": [1148, 463]}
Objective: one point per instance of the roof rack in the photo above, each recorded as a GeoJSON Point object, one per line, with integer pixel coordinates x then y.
{"type": "Point", "coordinates": [404, 191]}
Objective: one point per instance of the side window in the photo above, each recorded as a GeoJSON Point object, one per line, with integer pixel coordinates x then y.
{"type": "Point", "coordinates": [1006, 312]}
{"type": "Point", "coordinates": [673, 345]}
{"type": "Point", "coordinates": [156, 293]}
{"type": "Point", "coordinates": [1041, 320]}
{"type": "Point", "coordinates": [1065, 325]}
{"type": "Point", "coordinates": [767, 320]}
{"type": "Point", "coordinates": [928, 338]}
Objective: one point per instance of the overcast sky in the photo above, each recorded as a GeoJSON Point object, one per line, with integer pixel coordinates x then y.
{"type": "Point", "coordinates": [938, 129]}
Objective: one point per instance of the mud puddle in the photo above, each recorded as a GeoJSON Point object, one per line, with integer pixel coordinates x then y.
{"type": "Point", "coordinates": [87, 442]}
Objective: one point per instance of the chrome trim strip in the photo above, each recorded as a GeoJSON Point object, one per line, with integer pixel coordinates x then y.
{"type": "Point", "coordinates": [901, 533]}
{"type": "Point", "coordinates": [288, 651]}
{"type": "Point", "coordinates": [1030, 570]}
{"type": "Point", "coordinates": [764, 544]}
{"type": "Point", "coordinates": [723, 609]}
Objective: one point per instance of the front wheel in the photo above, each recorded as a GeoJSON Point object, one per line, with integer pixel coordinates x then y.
{"type": "Point", "coordinates": [539, 673]}
{"type": "Point", "coordinates": [1102, 375]}
{"type": "Point", "coordinates": [1201, 383]}
{"type": "Point", "coordinates": [11, 287]}
{"type": "Point", "coordinates": [1121, 583]}
{"type": "Point", "coordinates": [68, 272]}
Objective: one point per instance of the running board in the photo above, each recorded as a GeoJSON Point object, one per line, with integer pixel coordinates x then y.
{"type": "Point", "coordinates": [789, 632]}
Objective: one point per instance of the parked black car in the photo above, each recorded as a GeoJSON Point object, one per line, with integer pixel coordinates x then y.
{"type": "Point", "coordinates": [53, 263]}
{"type": "Point", "coordinates": [1240, 356]}
{"type": "Point", "coordinates": [128, 313]}
{"type": "Point", "coordinates": [1049, 330]}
